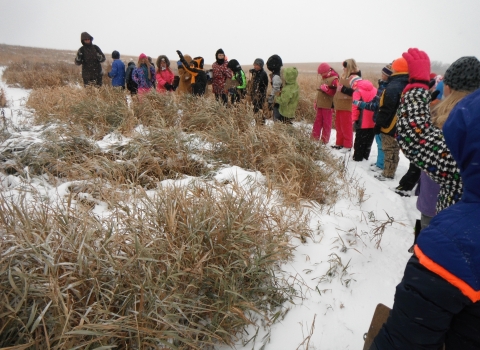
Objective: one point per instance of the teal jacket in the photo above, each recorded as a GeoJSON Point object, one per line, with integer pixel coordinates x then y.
{"type": "Point", "coordinates": [288, 99]}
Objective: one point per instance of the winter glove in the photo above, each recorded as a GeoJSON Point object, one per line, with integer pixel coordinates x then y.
{"type": "Point", "coordinates": [324, 88]}
{"type": "Point", "coordinates": [99, 57]}
{"type": "Point", "coordinates": [179, 64]}
{"type": "Point", "coordinates": [418, 69]}
{"type": "Point", "coordinates": [356, 125]}
{"type": "Point", "coordinates": [360, 104]}
{"type": "Point", "coordinates": [180, 55]}
{"type": "Point", "coordinates": [169, 87]}
{"type": "Point", "coordinates": [376, 129]}
{"type": "Point", "coordinates": [434, 95]}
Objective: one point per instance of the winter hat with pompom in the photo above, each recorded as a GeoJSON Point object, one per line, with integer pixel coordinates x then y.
{"type": "Point", "coordinates": [463, 74]}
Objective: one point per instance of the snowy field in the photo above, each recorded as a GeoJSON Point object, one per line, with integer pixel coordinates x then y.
{"type": "Point", "coordinates": [341, 274]}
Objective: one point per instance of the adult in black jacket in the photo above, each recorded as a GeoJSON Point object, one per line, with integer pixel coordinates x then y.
{"type": "Point", "coordinates": [386, 121]}
{"type": "Point", "coordinates": [132, 86]}
{"type": "Point", "coordinates": [90, 57]}
{"type": "Point", "coordinates": [258, 92]}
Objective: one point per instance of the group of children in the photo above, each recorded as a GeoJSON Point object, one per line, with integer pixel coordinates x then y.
{"type": "Point", "coordinates": [226, 77]}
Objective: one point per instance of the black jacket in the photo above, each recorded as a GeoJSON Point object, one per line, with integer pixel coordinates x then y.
{"type": "Point", "coordinates": [386, 117]}
{"type": "Point", "coordinates": [90, 57]}
{"type": "Point", "coordinates": [441, 314]}
{"type": "Point", "coordinates": [259, 86]}
{"type": "Point", "coordinates": [131, 85]}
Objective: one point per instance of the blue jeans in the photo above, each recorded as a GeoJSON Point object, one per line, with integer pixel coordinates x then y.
{"type": "Point", "coordinates": [381, 155]}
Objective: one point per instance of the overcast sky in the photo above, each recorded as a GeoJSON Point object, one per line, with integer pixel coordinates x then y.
{"type": "Point", "coordinates": [299, 30]}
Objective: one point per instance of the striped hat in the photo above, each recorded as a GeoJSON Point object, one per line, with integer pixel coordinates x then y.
{"type": "Point", "coordinates": [387, 70]}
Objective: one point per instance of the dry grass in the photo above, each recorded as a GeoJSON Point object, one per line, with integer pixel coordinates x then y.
{"type": "Point", "coordinates": [3, 98]}
{"type": "Point", "coordinates": [185, 269]}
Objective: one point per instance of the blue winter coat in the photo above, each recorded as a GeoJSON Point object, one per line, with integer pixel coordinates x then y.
{"type": "Point", "coordinates": [438, 300]}
{"type": "Point", "coordinates": [117, 73]}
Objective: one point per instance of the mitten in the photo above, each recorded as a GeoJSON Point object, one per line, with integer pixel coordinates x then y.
{"type": "Point", "coordinates": [168, 87]}
{"type": "Point", "coordinates": [99, 57]}
{"type": "Point", "coordinates": [434, 95]}
{"type": "Point", "coordinates": [180, 55]}
{"type": "Point", "coordinates": [324, 87]}
{"type": "Point", "coordinates": [418, 68]}
{"type": "Point", "coordinates": [179, 64]}
{"type": "Point", "coordinates": [356, 102]}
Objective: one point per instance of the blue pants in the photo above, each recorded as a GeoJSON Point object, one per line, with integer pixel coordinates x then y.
{"type": "Point", "coordinates": [381, 155]}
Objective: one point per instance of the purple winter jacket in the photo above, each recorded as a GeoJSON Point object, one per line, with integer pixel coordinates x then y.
{"type": "Point", "coordinates": [427, 192]}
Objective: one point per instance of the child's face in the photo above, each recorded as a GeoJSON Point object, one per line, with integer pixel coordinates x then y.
{"type": "Point", "coordinates": [257, 67]}
{"type": "Point", "coordinates": [221, 56]}
{"type": "Point", "coordinates": [163, 64]}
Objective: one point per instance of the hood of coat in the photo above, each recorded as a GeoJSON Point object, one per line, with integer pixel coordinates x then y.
{"type": "Point", "coordinates": [367, 90]}
{"type": "Point", "coordinates": [462, 135]}
{"type": "Point", "coordinates": [165, 58]}
{"type": "Point", "coordinates": [199, 61]}
{"type": "Point", "coordinates": [290, 75]}
{"type": "Point", "coordinates": [85, 36]}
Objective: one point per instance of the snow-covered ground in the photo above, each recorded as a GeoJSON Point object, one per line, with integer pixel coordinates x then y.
{"type": "Point", "coordinates": [335, 309]}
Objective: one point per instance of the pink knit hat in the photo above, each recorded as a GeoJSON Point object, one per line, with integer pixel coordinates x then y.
{"type": "Point", "coordinates": [142, 55]}
{"type": "Point", "coordinates": [323, 68]}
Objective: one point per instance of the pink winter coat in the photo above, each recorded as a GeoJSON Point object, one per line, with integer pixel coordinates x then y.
{"type": "Point", "coordinates": [163, 77]}
{"type": "Point", "coordinates": [364, 91]}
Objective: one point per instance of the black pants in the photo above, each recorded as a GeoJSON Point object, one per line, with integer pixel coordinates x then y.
{"type": "Point", "coordinates": [410, 179]}
{"type": "Point", "coordinates": [223, 97]}
{"type": "Point", "coordinates": [363, 144]}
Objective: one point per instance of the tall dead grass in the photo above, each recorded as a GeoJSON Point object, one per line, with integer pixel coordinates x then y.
{"type": "Point", "coordinates": [3, 98]}
{"type": "Point", "coordinates": [185, 269]}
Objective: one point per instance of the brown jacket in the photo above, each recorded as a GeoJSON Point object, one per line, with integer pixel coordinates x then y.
{"type": "Point", "coordinates": [341, 101]}
{"type": "Point", "coordinates": [185, 83]}
{"type": "Point", "coordinates": [324, 100]}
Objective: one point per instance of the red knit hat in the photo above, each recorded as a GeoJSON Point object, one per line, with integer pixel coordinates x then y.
{"type": "Point", "coordinates": [142, 55]}
{"type": "Point", "coordinates": [323, 68]}
{"type": "Point", "coordinates": [433, 75]}
{"type": "Point", "coordinates": [400, 65]}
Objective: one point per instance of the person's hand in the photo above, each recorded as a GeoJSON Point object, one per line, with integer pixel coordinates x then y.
{"type": "Point", "coordinates": [434, 95]}
{"type": "Point", "coordinates": [324, 87]}
{"type": "Point", "coordinates": [79, 53]}
{"type": "Point", "coordinates": [418, 68]}
{"type": "Point", "coordinates": [356, 102]}
{"type": "Point", "coordinates": [168, 86]}
{"type": "Point", "coordinates": [180, 55]}
{"type": "Point", "coordinates": [339, 87]}
{"type": "Point", "coordinates": [99, 57]}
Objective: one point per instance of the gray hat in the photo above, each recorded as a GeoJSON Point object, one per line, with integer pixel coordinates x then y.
{"type": "Point", "coordinates": [259, 61]}
{"type": "Point", "coordinates": [463, 74]}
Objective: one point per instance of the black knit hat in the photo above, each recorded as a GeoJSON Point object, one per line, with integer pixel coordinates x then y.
{"type": "Point", "coordinates": [274, 63]}
{"type": "Point", "coordinates": [115, 54]}
{"type": "Point", "coordinates": [234, 65]}
{"type": "Point", "coordinates": [463, 74]}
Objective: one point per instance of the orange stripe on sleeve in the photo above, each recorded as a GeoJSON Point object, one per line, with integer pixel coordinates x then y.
{"type": "Point", "coordinates": [468, 291]}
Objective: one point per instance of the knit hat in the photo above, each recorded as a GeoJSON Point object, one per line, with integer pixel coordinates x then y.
{"type": "Point", "coordinates": [323, 68]}
{"type": "Point", "coordinates": [259, 61]}
{"type": "Point", "coordinates": [274, 63]}
{"type": "Point", "coordinates": [234, 65]}
{"type": "Point", "coordinates": [433, 75]}
{"type": "Point", "coordinates": [353, 80]}
{"type": "Point", "coordinates": [142, 55]}
{"type": "Point", "coordinates": [400, 65]}
{"type": "Point", "coordinates": [387, 70]}
{"type": "Point", "coordinates": [115, 54]}
{"type": "Point", "coordinates": [463, 74]}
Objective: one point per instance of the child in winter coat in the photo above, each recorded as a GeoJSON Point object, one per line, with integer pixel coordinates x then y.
{"type": "Point", "coordinates": [322, 126]}
{"type": "Point", "coordinates": [118, 71]}
{"type": "Point", "coordinates": [274, 65]}
{"type": "Point", "coordinates": [342, 100]}
{"type": "Point", "coordinates": [144, 75]}
{"type": "Point", "coordinates": [199, 77]}
{"type": "Point", "coordinates": [259, 86]}
{"type": "Point", "coordinates": [288, 99]}
{"type": "Point", "coordinates": [220, 74]}
{"type": "Point", "coordinates": [437, 303]}
{"type": "Point", "coordinates": [164, 75]}
{"type": "Point", "coordinates": [238, 92]}
{"type": "Point", "coordinates": [132, 86]}
{"type": "Point", "coordinates": [90, 57]}
{"type": "Point", "coordinates": [386, 120]}
{"type": "Point", "coordinates": [362, 118]}
{"type": "Point", "coordinates": [373, 106]}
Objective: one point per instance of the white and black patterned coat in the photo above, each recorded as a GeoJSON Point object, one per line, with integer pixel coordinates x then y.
{"type": "Point", "coordinates": [424, 145]}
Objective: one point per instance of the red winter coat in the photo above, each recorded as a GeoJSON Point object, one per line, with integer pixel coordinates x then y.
{"type": "Point", "coordinates": [163, 77]}
{"type": "Point", "coordinates": [365, 91]}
